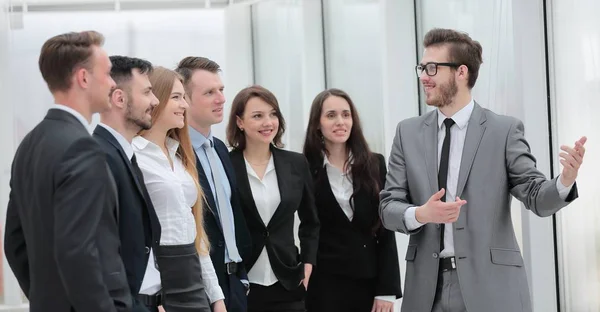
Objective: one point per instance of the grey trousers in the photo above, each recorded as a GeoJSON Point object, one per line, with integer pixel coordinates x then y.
{"type": "Point", "coordinates": [448, 297]}
{"type": "Point", "coordinates": [181, 277]}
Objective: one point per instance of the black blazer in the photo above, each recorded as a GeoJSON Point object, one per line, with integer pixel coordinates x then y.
{"type": "Point", "coordinates": [296, 191]}
{"type": "Point", "coordinates": [62, 236]}
{"type": "Point", "coordinates": [212, 224]}
{"type": "Point", "coordinates": [353, 248]}
{"type": "Point", "coordinates": [138, 223]}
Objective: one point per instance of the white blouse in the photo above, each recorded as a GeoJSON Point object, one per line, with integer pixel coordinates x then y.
{"type": "Point", "coordinates": [267, 198]}
{"type": "Point", "coordinates": [173, 193]}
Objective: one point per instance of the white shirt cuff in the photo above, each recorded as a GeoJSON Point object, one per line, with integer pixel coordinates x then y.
{"type": "Point", "coordinates": [386, 298]}
{"type": "Point", "coordinates": [563, 191]}
{"type": "Point", "coordinates": [211, 282]}
{"type": "Point", "coordinates": [410, 219]}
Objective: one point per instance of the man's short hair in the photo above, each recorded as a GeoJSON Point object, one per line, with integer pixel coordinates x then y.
{"type": "Point", "coordinates": [462, 49]}
{"type": "Point", "coordinates": [123, 66]}
{"type": "Point", "coordinates": [64, 54]}
{"type": "Point", "coordinates": [188, 65]}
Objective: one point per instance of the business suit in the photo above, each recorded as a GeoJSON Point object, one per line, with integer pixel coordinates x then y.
{"type": "Point", "coordinates": [234, 291]}
{"type": "Point", "coordinates": [357, 258]}
{"type": "Point", "coordinates": [496, 163]}
{"type": "Point", "coordinates": [62, 238]}
{"type": "Point", "coordinates": [138, 223]}
{"type": "Point", "coordinates": [297, 194]}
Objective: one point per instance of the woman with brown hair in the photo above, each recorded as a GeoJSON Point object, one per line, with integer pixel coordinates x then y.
{"type": "Point", "coordinates": [273, 184]}
{"type": "Point", "coordinates": [357, 258]}
{"type": "Point", "coordinates": [166, 159]}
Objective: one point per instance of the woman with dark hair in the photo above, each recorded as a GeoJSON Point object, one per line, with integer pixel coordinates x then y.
{"type": "Point", "coordinates": [357, 258]}
{"type": "Point", "coordinates": [273, 184]}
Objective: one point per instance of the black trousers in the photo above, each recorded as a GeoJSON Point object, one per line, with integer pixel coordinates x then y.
{"type": "Point", "coordinates": [330, 292]}
{"type": "Point", "coordinates": [235, 294]}
{"type": "Point", "coordinates": [275, 298]}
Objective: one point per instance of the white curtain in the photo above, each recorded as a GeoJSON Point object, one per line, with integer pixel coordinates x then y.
{"type": "Point", "coordinates": [576, 90]}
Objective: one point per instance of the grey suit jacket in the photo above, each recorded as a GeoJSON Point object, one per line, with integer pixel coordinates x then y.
{"type": "Point", "coordinates": [496, 162]}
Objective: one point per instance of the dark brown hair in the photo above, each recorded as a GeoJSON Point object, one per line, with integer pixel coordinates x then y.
{"type": "Point", "coordinates": [188, 65]}
{"type": "Point", "coordinates": [364, 168]}
{"type": "Point", "coordinates": [64, 54]}
{"type": "Point", "coordinates": [235, 136]}
{"type": "Point", "coordinates": [462, 49]}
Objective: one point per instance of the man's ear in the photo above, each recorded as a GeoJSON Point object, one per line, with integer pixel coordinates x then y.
{"type": "Point", "coordinates": [118, 98]}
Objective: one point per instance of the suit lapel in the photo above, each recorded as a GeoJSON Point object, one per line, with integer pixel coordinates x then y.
{"type": "Point", "coordinates": [245, 192]}
{"type": "Point", "coordinates": [475, 131]}
{"type": "Point", "coordinates": [429, 137]}
{"type": "Point", "coordinates": [283, 171]}
{"type": "Point", "coordinates": [104, 134]}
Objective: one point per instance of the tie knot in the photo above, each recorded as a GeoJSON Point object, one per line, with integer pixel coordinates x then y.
{"type": "Point", "coordinates": [207, 144]}
{"type": "Point", "coordinates": [449, 122]}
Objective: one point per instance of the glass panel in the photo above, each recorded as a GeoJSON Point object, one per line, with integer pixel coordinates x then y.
{"type": "Point", "coordinates": [353, 45]}
{"type": "Point", "coordinates": [576, 75]}
{"type": "Point", "coordinates": [277, 35]}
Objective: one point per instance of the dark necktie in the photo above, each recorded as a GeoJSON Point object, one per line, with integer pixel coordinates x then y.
{"type": "Point", "coordinates": [443, 172]}
{"type": "Point", "coordinates": [136, 170]}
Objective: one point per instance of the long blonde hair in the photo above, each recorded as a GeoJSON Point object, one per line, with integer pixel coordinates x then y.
{"type": "Point", "coordinates": [162, 80]}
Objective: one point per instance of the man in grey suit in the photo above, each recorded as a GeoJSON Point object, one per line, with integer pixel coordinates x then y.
{"type": "Point", "coordinates": [458, 216]}
{"type": "Point", "coordinates": [62, 237]}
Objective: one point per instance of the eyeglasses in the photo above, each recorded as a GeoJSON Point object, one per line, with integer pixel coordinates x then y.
{"type": "Point", "coordinates": [431, 68]}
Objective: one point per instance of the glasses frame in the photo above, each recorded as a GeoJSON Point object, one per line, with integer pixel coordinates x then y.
{"type": "Point", "coordinates": [420, 68]}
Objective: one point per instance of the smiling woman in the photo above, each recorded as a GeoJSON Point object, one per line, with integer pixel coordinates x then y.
{"type": "Point", "coordinates": [273, 184]}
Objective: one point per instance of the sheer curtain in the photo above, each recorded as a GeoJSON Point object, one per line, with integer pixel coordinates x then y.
{"type": "Point", "coordinates": [576, 90]}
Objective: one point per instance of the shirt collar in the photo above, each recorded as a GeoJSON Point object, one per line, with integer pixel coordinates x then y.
{"type": "Point", "coordinates": [250, 170]}
{"type": "Point", "coordinates": [75, 113]}
{"type": "Point", "coordinates": [461, 118]}
{"type": "Point", "coordinates": [326, 162]}
{"type": "Point", "coordinates": [198, 138]}
{"type": "Point", "coordinates": [121, 139]}
{"type": "Point", "coordinates": [141, 143]}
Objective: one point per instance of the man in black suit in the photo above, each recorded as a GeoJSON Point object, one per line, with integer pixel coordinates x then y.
{"type": "Point", "coordinates": [132, 102]}
{"type": "Point", "coordinates": [224, 219]}
{"type": "Point", "coordinates": [62, 237]}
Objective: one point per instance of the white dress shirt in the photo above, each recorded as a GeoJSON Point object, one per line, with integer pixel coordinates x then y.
{"type": "Point", "coordinates": [458, 133]}
{"type": "Point", "coordinates": [342, 189]}
{"type": "Point", "coordinates": [73, 112]}
{"type": "Point", "coordinates": [267, 198]}
{"type": "Point", "coordinates": [173, 192]}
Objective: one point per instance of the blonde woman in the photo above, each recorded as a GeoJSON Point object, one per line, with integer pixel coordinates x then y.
{"type": "Point", "coordinates": [167, 161]}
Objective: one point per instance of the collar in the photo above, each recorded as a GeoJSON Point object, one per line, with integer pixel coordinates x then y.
{"type": "Point", "coordinates": [141, 143]}
{"type": "Point", "coordinates": [461, 118]}
{"type": "Point", "coordinates": [73, 112]}
{"type": "Point", "coordinates": [121, 139]}
{"type": "Point", "coordinates": [198, 138]}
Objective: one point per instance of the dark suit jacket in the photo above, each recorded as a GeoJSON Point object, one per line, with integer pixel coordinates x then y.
{"type": "Point", "coordinates": [296, 191]}
{"type": "Point", "coordinates": [138, 223]}
{"type": "Point", "coordinates": [212, 224]}
{"type": "Point", "coordinates": [358, 248]}
{"type": "Point", "coordinates": [62, 237]}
